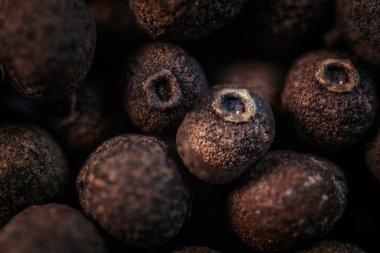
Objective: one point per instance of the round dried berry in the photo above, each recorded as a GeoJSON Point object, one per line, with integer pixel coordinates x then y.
{"type": "Point", "coordinates": [333, 247]}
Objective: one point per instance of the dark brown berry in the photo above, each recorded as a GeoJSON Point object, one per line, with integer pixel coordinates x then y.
{"type": "Point", "coordinates": [183, 19]}
{"type": "Point", "coordinates": [333, 247]}
{"type": "Point", "coordinates": [330, 99]}
{"type": "Point", "coordinates": [373, 154]}
{"type": "Point", "coordinates": [195, 250]}
{"type": "Point", "coordinates": [47, 46]}
{"type": "Point", "coordinates": [82, 121]}
{"type": "Point", "coordinates": [264, 78]}
{"type": "Point", "coordinates": [283, 25]}
{"type": "Point", "coordinates": [50, 228]}
{"type": "Point", "coordinates": [162, 83]}
{"type": "Point", "coordinates": [33, 169]}
{"type": "Point", "coordinates": [287, 200]}
{"type": "Point", "coordinates": [359, 21]}
{"type": "Point", "coordinates": [134, 190]}
{"type": "Point", "coordinates": [226, 133]}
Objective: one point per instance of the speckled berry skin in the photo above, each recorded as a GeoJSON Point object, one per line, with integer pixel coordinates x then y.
{"type": "Point", "coordinates": [183, 19]}
{"type": "Point", "coordinates": [81, 120]}
{"type": "Point", "coordinates": [195, 249]}
{"type": "Point", "coordinates": [359, 21]}
{"type": "Point", "coordinates": [47, 47]}
{"type": "Point", "coordinates": [372, 153]}
{"type": "Point", "coordinates": [329, 114]}
{"type": "Point", "coordinates": [50, 228]}
{"type": "Point", "coordinates": [287, 200]}
{"type": "Point", "coordinates": [133, 189]}
{"type": "Point", "coordinates": [217, 148]}
{"type": "Point", "coordinates": [33, 169]}
{"type": "Point", "coordinates": [333, 247]}
{"type": "Point", "coordinates": [162, 83]}
{"type": "Point", "coordinates": [262, 77]}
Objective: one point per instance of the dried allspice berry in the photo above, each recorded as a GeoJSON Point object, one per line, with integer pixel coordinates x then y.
{"type": "Point", "coordinates": [162, 83]}
{"type": "Point", "coordinates": [47, 47]}
{"type": "Point", "coordinates": [133, 189]}
{"type": "Point", "coordinates": [333, 247]}
{"type": "Point", "coordinates": [228, 131]}
{"type": "Point", "coordinates": [51, 228]}
{"type": "Point", "coordinates": [287, 200]}
{"type": "Point", "coordinates": [372, 153]}
{"type": "Point", "coordinates": [33, 169]}
{"type": "Point", "coordinates": [195, 249]}
{"type": "Point", "coordinates": [82, 121]}
{"type": "Point", "coordinates": [184, 19]}
{"type": "Point", "coordinates": [359, 21]}
{"type": "Point", "coordinates": [330, 99]}
{"type": "Point", "coordinates": [262, 77]}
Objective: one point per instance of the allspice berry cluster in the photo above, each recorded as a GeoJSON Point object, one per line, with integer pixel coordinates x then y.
{"type": "Point", "coordinates": [33, 169]}
{"type": "Point", "coordinates": [228, 131]}
{"type": "Point", "coordinates": [133, 189]}
{"type": "Point", "coordinates": [287, 200]}
{"type": "Point", "coordinates": [46, 47]}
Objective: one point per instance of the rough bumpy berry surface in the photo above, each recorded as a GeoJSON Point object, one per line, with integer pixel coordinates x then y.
{"type": "Point", "coordinates": [33, 169]}
{"type": "Point", "coordinates": [184, 19]}
{"type": "Point", "coordinates": [218, 147]}
{"type": "Point", "coordinates": [333, 247]}
{"type": "Point", "coordinates": [50, 228]}
{"type": "Point", "coordinates": [134, 190]}
{"type": "Point", "coordinates": [329, 99]}
{"type": "Point", "coordinates": [82, 121]}
{"type": "Point", "coordinates": [360, 21]}
{"type": "Point", "coordinates": [373, 154]}
{"type": "Point", "coordinates": [286, 200]}
{"type": "Point", "coordinates": [162, 83]}
{"type": "Point", "coordinates": [48, 50]}
{"type": "Point", "coordinates": [195, 250]}
{"type": "Point", "coordinates": [261, 77]}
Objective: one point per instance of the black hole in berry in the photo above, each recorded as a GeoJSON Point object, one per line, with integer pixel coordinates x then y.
{"type": "Point", "coordinates": [233, 103]}
{"type": "Point", "coordinates": [336, 74]}
{"type": "Point", "coordinates": [162, 87]}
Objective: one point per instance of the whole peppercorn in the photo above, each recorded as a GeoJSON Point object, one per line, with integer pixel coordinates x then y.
{"type": "Point", "coordinates": [373, 154]}
{"type": "Point", "coordinates": [195, 250]}
{"type": "Point", "coordinates": [50, 228]}
{"type": "Point", "coordinates": [329, 99]}
{"type": "Point", "coordinates": [264, 78]}
{"type": "Point", "coordinates": [162, 83]}
{"type": "Point", "coordinates": [134, 190]}
{"type": "Point", "coordinates": [33, 169]}
{"type": "Point", "coordinates": [82, 121]}
{"type": "Point", "coordinates": [359, 21]}
{"type": "Point", "coordinates": [226, 133]}
{"type": "Point", "coordinates": [47, 47]}
{"type": "Point", "coordinates": [333, 247]}
{"type": "Point", "coordinates": [287, 200]}
{"type": "Point", "coordinates": [179, 20]}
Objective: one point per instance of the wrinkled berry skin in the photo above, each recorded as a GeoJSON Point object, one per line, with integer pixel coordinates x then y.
{"type": "Point", "coordinates": [51, 228]}
{"type": "Point", "coordinates": [47, 47]}
{"type": "Point", "coordinates": [359, 21]}
{"type": "Point", "coordinates": [229, 130]}
{"type": "Point", "coordinates": [287, 200]}
{"type": "Point", "coordinates": [33, 169]}
{"type": "Point", "coordinates": [330, 100]}
{"type": "Point", "coordinates": [184, 19]}
{"type": "Point", "coordinates": [133, 189]}
{"type": "Point", "coordinates": [333, 247]}
{"type": "Point", "coordinates": [162, 83]}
